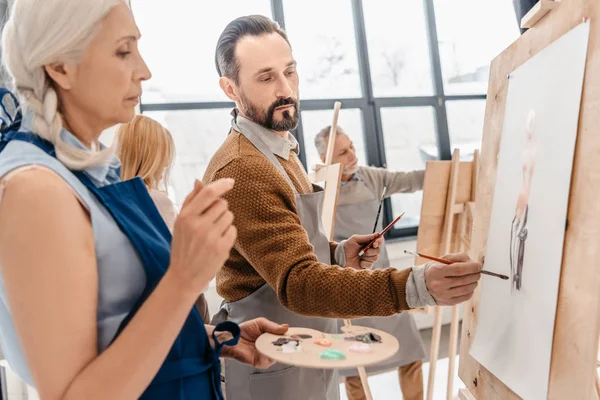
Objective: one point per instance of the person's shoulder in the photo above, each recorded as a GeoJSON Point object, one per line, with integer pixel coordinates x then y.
{"type": "Point", "coordinates": [238, 156]}
{"type": "Point", "coordinates": [366, 169]}
{"type": "Point", "coordinates": [237, 150]}
{"type": "Point", "coordinates": [371, 173]}
{"type": "Point", "coordinates": [27, 168]}
{"type": "Point", "coordinates": [39, 189]}
{"type": "Point", "coordinates": [160, 198]}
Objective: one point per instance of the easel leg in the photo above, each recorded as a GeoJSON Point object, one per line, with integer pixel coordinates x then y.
{"type": "Point", "coordinates": [465, 394]}
{"type": "Point", "coordinates": [362, 373]}
{"type": "Point", "coordinates": [445, 248]}
{"type": "Point", "coordinates": [452, 352]}
{"type": "Point", "coordinates": [365, 383]}
{"type": "Point", "coordinates": [462, 247]}
{"type": "Point", "coordinates": [434, 351]}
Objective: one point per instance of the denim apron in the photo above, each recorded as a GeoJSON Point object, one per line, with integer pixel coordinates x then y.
{"type": "Point", "coordinates": [192, 368]}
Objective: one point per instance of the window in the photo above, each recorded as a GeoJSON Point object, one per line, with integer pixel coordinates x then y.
{"type": "Point", "coordinates": [398, 48]}
{"type": "Point", "coordinates": [179, 46]}
{"type": "Point", "coordinates": [471, 33]}
{"type": "Point", "coordinates": [465, 123]}
{"type": "Point", "coordinates": [197, 134]}
{"type": "Point", "coordinates": [349, 119]}
{"type": "Point", "coordinates": [409, 134]}
{"type": "Point", "coordinates": [322, 38]}
{"type": "Point", "coordinates": [411, 75]}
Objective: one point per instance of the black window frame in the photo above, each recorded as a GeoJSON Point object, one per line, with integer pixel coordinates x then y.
{"type": "Point", "coordinates": [369, 105]}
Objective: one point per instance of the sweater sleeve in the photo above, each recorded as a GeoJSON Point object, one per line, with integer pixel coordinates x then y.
{"type": "Point", "coordinates": [397, 182]}
{"type": "Point", "coordinates": [272, 240]}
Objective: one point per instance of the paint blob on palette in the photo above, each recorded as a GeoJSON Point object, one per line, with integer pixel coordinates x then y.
{"type": "Point", "coordinates": [355, 346]}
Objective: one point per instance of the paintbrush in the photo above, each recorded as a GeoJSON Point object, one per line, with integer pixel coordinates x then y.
{"type": "Point", "coordinates": [379, 210]}
{"type": "Point", "coordinates": [447, 262]}
{"type": "Point", "coordinates": [387, 228]}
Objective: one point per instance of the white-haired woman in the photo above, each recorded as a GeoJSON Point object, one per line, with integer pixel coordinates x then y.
{"type": "Point", "coordinates": [96, 301]}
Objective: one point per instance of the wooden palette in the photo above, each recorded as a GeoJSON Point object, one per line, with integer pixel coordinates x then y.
{"type": "Point", "coordinates": [309, 356]}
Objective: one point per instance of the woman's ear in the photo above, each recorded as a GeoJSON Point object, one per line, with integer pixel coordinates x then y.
{"type": "Point", "coordinates": [61, 73]}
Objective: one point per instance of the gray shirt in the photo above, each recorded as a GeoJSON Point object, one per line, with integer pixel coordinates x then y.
{"type": "Point", "coordinates": [369, 180]}
{"type": "Point", "coordinates": [364, 186]}
{"type": "Point", "coordinates": [121, 274]}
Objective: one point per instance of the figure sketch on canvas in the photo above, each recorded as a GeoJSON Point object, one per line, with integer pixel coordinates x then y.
{"type": "Point", "coordinates": [518, 233]}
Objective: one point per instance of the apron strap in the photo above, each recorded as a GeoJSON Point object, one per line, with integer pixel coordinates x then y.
{"type": "Point", "coordinates": [7, 136]}
{"type": "Point", "coordinates": [230, 327]}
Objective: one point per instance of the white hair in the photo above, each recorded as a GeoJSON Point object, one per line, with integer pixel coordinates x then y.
{"type": "Point", "coordinates": [40, 32]}
{"type": "Point", "coordinates": [322, 138]}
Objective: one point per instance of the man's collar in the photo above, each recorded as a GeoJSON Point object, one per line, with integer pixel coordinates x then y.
{"type": "Point", "coordinates": [355, 177]}
{"type": "Point", "coordinates": [279, 146]}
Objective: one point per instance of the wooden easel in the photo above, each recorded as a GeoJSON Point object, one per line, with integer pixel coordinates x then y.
{"type": "Point", "coordinates": [577, 325]}
{"type": "Point", "coordinates": [597, 378]}
{"type": "Point", "coordinates": [465, 213]}
{"type": "Point", "coordinates": [331, 174]}
{"type": "Point", "coordinates": [446, 215]}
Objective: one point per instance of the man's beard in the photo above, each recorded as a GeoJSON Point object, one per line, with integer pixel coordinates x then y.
{"type": "Point", "coordinates": [267, 118]}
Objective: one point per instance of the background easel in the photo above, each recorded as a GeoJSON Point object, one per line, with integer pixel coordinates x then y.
{"type": "Point", "coordinates": [577, 325]}
{"type": "Point", "coordinates": [331, 174]}
{"type": "Point", "coordinates": [444, 227]}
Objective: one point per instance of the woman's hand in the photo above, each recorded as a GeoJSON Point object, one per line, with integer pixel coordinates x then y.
{"type": "Point", "coordinates": [203, 235]}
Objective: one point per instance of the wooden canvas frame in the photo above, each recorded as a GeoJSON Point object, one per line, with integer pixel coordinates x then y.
{"type": "Point", "coordinates": [577, 325]}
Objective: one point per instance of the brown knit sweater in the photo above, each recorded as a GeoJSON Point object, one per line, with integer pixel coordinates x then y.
{"type": "Point", "coordinates": [273, 247]}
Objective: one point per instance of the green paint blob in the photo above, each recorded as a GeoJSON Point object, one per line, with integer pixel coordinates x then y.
{"type": "Point", "coordinates": [330, 354]}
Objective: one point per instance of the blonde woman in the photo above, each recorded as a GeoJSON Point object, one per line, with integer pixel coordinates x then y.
{"type": "Point", "coordinates": [96, 298]}
{"type": "Point", "coordinates": [146, 149]}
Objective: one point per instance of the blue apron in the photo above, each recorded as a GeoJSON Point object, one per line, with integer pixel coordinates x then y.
{"type": "Point", "coordinates": [192, 368]}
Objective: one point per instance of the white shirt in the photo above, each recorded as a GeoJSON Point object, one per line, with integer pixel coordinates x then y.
{"type": "Point", "coordinates": [165, 207]}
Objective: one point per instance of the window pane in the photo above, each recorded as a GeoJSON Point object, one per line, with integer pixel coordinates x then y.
{"type": "Point", "coordinates": [398, 48]}
{"type": "Point", "coordinates": [465, 122]}
{"type": "Point", "coordinates": [179, 48]}
{"type": "Point", "coordinates": [197, 135]}
{"type": "Point", "coordinates": [410, 138]}
{"type": "Point", "coordinates": [471, 33]}
{"type": "Point", "coordinates": [350, 120]}
{"type": "Point", "coordinates": [322, 38]}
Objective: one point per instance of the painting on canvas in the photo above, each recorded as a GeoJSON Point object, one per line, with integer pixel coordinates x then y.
{"type": "Point", "coordinates": [515, 327]}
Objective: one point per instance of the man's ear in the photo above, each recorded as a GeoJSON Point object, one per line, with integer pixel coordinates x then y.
{"type": "Point", "coordinates": [229, 88]}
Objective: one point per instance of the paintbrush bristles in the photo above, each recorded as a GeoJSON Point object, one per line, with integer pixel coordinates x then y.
{"type": "Point", "coordinates": [379, 209]}
{"type": "Point", "coordinates": [383, 193]}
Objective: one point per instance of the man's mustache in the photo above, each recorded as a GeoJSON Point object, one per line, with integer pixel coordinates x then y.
{"type": "Point", "coordinates": [283, 102]}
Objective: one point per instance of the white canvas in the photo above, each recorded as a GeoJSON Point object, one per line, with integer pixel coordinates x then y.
{"type": "Point", "coordinates": [515, 327]}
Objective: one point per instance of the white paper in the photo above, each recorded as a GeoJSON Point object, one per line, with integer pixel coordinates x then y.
{"type": "Point", "coordinates": [515, 327]}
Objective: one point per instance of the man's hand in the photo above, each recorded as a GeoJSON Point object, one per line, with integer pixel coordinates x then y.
{"type": "Point", "coordinates": [455, 283]}
{"type": "Point", "coordinates": [355, 244]}
{"type": "Point", "coordinates": [245, 351]}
